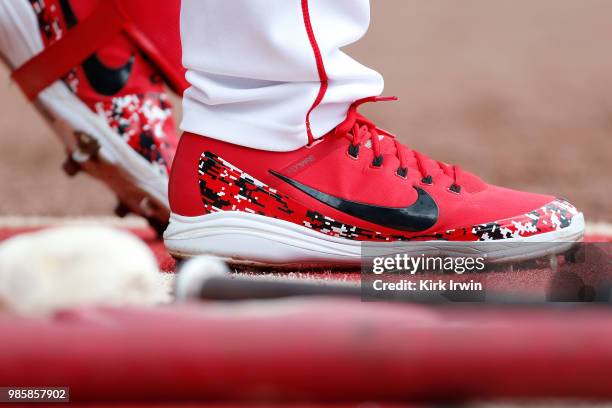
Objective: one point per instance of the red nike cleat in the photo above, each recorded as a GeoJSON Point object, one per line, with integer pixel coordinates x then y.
{"type": "Point", "coordinates": [356, 184]}
{"type": "Point", "coordinates": [99, 80]}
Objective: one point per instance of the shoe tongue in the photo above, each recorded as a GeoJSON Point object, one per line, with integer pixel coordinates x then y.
{"type": "Point", "coordinates": [387, 145]}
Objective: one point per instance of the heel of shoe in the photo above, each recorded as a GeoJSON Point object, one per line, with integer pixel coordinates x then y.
{"type": "Point", "coordinates": [183, 190]}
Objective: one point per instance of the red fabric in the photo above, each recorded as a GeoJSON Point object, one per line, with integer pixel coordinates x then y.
{"type": "Point", "coordinates": [158, 34]}
{"type": "Point", "coordinates": [267, 352]}
{"type": "Point", "coordinates": [155, 29]}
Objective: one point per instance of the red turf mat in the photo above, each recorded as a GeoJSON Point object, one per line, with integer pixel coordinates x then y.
{"type": "Point", "coordinates": [322, 351]}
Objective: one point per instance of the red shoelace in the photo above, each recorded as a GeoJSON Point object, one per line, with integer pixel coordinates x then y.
{"type": "Point", "coordinates": [358, 130]}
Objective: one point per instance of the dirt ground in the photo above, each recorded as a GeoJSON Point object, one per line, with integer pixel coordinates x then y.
{"type": "Point", "coordinates": [518, 92]}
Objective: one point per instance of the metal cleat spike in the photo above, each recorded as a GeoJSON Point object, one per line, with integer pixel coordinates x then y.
{"type": "Point", "coordinates": [87, 147]}
{"type": "Point", "coordinates": [71, 167]}
{"type": "Point", "coordinates": [122, 210]}
{"type": "Point", "coordinates": [158, 226]}
{"type": "Point", "coordinates": [147, 207]}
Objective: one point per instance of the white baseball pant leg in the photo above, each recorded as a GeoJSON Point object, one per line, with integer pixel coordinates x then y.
{"type": "Point", "coordinates": [269, 74]}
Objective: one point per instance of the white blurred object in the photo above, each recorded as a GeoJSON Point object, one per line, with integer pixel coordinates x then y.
{"type": "Point", "coordinates": [68, 267]}
{"type": "Point", "coordinates": [194, 273]}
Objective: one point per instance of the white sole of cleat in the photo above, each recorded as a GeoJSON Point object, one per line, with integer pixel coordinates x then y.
{"type": "Point", "coordinates": [137, 183]}
{"type": "Point", "coordinates": [252, 239]}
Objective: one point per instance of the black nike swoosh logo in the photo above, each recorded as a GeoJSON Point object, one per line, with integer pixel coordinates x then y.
{"type": "Point", "coordinates": [104, 80]}
{"type": "Point", "coordinates": [419, 216]}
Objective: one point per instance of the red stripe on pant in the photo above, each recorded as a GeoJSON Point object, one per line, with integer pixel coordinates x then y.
{"type": "Point", "coordinates": [320, 67]}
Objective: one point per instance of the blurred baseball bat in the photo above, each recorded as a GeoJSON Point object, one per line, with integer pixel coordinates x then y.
{"type": "Point", "coordinates": [208, 278]}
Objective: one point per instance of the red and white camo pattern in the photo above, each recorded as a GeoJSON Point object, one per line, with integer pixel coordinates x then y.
{"type": "Point", "coordinates": [143, 122]}
{"type": "Point", "coordinates": [224, 187]}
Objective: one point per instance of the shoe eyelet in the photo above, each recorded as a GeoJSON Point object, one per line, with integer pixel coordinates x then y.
{"type": "Point", "coordinates": [378, 161]}
{"type": "Point", "coordinates": [353, 151]}
{"type": "Point", "coordinates": [428, 180]}
{"type": "Point", "coordinates": [455, 188]}
{"type": "Point", "coordinates": [402, 172]}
